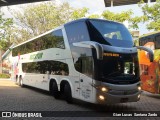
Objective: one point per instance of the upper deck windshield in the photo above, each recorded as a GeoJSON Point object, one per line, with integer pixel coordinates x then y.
{"type": "Point", "coordinates": [111, 33]}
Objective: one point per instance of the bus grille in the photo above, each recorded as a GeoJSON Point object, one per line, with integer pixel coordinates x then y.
{"type": "Point", "coordinates": [126, 92]}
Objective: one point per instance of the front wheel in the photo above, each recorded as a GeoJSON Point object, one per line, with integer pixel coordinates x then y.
{"type": "Point", "coordinates": [68, 93]}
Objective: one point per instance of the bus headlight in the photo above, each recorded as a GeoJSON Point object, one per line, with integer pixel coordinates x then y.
{"type": "Point", "coordinates": [101, 97]}
{"type": "Point", "coordinates": [104, 89]}
{"type": "Point", "coordinates": [139, 88]}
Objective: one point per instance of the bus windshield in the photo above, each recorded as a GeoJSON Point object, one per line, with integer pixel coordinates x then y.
{"type": "Point", "coordinates": [107, 32]}
{"type": "Point", "coordinates": [119, 69]}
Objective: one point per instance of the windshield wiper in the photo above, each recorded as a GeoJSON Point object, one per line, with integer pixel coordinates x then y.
{"type": "Point", "coordinates": [114, 73]}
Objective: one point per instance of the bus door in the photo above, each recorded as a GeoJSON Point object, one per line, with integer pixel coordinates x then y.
{"type": "Point", "coordinates": [147, 73]}
{"type": "Point", "coordinates": [86, 79]}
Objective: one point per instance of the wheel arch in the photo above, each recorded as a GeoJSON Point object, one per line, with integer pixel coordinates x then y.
{"type": "Point", "coordinates": [50, 83]}
{"type": "Point", "coordinates": [63, 82]}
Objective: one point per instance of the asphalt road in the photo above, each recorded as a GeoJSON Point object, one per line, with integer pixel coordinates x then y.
{"type": "Point", "coordinates": [16, 99]}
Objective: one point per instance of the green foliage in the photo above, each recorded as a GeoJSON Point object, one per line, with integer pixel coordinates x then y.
{"type": "Point", "coordinates": [5, 25]}
{"type": "Point", "coordinates": [135, 20]}
{"type": "Point", "coordinates": [3, 45]}
{"type": "Point", "coordinates": [152, 15]}
{"type": "Point", "coordinates": [118, 17]}
{"type": "Point", "coordinates": [2, 75]}
{"type": "Point", "coordinates": [136, 42]}
{"type": "Point", "coordinates": [35, 19]}
{"type": "Point", "coordinates": [38, 18]}
{"type": "Point", "coordinates": [94, 16]}
{"type": "Point", "coordinates": [79, 13]}
{"type": "Point", "coordinates": [124, 16]}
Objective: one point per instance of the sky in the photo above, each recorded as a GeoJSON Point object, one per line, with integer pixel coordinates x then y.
{"type": "Point", "coordinates": [97, 7]}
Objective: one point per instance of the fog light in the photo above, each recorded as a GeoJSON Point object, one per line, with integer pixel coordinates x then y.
{"type": "Point", "coordinates": [104, 89]}
{"type": "Point", "coordinates": [139, 88]}
{"type": "Point", "coordinates": [101, 97]}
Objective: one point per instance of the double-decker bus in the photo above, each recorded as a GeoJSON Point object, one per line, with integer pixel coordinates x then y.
{"type": "Point", "coordinates": [88, 59]}
{"type": "Point", "coordinates": [150, 71]}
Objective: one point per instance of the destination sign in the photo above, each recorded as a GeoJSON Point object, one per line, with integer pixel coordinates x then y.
{"type": "Point", "coordinates": [111, 54]}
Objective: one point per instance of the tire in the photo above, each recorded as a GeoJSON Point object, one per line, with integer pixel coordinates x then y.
{"type": "Point", "coordinates": [54, 90]}
{"type": "Point", "coordinates": [16, 82]}
{"type": "Point", "coordinates": [68, 93]}
{"type": "Point", "coordinates": [20, 82]}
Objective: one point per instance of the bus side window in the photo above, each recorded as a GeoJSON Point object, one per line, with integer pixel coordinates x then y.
{"type": "Point", "coordinates": [157, 42]}
{"type": "Point", "coordinates": [44, 67]}
{"type": "Point", "coordinates": [85, 65]}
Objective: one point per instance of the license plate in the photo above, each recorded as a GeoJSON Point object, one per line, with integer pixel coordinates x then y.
{"type": "Point", "coordinates": [124, 99]}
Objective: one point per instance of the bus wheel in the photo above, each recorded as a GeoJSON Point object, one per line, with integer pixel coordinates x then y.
{"type": "Point", "coordinates": [68, 93]}
{"type": "Point", "coordinates": [16, 82]}
{"type": "Point", "coordinates": [20, 82]}
{"type": "Point", "coordinates": [54, 90]}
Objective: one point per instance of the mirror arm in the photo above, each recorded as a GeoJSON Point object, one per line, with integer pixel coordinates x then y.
{"type": "Point", "coordinates": [151, 54]}
{"type": "Point", "coordinates": [99, 50]}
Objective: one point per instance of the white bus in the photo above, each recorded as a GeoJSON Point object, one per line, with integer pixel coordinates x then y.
{"type": "Point", "coordinates": [92, 60]}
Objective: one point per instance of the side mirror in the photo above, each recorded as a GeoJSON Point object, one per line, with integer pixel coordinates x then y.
{"type": "Point", "coordinates": [91, 44]}
{"type": "Point", "coordinates": [151, 55]}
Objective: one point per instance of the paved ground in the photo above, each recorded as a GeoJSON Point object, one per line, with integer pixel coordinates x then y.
{"type": "Point", "coordinates": [15, 98]}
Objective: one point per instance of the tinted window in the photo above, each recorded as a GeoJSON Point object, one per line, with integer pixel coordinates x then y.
{"type": "Point", "coordinates": [107, 32]}
{"type": "Point", "coordinates": [53, 67]}
{"type": "Point", "coordinates": [77, 32]}
{"type": "Point", "coordinates": [145, 40]}
{"type": "Point", "coordinates": [51, 40]}
{"type": "Point", "coordinates": [157, 42]}
{"type": "Point", "coordinates": [85, 65]}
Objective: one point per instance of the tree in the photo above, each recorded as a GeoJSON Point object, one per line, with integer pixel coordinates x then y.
{"type": "Point", "coordinates": [122, 17]}
{"type": "Point", "coordinates": [118, 17]}
{"type": "Point", "coordinates": [151, 15]}
{"type": "Point", "coordinates": [5, 25]}
{"type": "Point", "coordinates": [94, 16]}
{"type": "Point", "coordinates": [38, 18]}
{"type": "Point", "coordinates": [79, 13]}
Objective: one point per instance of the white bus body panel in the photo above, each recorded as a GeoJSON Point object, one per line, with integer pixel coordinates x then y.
{"type": "Point", "coordinates": [81, 85]}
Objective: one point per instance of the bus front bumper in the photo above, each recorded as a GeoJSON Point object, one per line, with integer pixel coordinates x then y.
{"type": "Point", "coordinates": [103, 98]}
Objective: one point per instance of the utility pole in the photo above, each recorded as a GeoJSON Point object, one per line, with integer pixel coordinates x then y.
{"type": "Point", "coordinates": [0, 61]}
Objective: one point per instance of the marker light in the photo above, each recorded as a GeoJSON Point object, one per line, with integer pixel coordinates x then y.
{"type": "Point", "coordinates": [101, 97]}
{"type": "Point", "coordinates": [139, 96]}
{"type": "Point", "coordinates": [104, 89]}
{"type": "Point", "coordinates": [139, 88]}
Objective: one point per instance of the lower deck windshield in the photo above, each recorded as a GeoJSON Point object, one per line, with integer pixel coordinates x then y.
{"type": "Point", "coordinates": [119, 69]}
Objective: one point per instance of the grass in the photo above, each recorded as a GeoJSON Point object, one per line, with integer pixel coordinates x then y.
{"type": "Point", "coordinates": [2, 75]}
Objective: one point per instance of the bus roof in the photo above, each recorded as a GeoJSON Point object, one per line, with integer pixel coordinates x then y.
{"type": "Point", "coordinates": [148, 34]}
{"type": "Point", "coordinates": [71, 22]}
